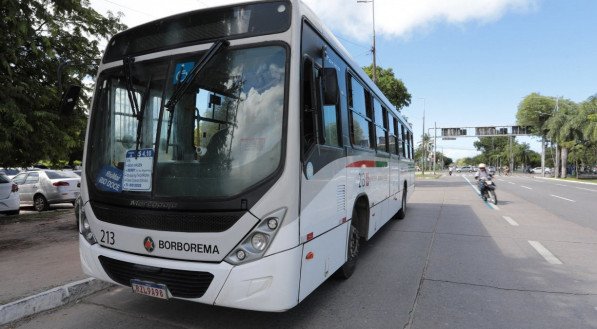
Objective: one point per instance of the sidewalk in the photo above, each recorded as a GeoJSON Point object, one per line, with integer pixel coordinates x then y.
{"type": "Point", "coordinates": [39, 261]}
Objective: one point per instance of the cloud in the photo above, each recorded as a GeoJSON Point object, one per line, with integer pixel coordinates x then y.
{"type": "Point", "coordinates": [400, 18]}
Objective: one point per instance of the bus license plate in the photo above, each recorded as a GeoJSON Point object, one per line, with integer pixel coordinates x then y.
{"type": "Point", "coordinates": [150, 289]}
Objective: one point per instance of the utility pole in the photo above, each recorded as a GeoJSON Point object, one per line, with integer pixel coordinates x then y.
{"type": "Point", "coordinates": [423, 140]}
{"type": "Point", "coordinates": [511, 155]}
{"type": "Point", "coordinates": [434, 145]}
{"type": "Point", "coordinates": [373, 49]}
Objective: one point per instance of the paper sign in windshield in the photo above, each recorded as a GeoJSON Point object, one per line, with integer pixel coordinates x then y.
{"type": "Point", "coordinates": [138, 166]}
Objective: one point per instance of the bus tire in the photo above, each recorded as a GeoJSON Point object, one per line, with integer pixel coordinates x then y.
{"type": "Point", "coordinates": [402, 212]}
{"type": "Point", "coordinates": [348, 268]}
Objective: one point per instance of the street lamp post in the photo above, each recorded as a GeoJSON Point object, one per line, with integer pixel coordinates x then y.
{"type": "Point", "coordinates": [372, 48]}
{"type": "Point", "coordinates": [423, 140]}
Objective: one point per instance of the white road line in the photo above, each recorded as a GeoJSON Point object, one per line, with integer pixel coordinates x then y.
{"type": "Point", "coordinates": [549, 257]}
{"type": "Point", "coordinates": [528, 188]}
{"type": "Point", "coordinates": [501, 180]}
{"type": "Point", "coordinates": [493, 206]}
{"type": "Point", "coordinates": [562, 185]}
{"type": "Point", "coordinates": [559, 197]}
{"type": "Point", "coordinates": [476, 189]}
{"type": "Point", "coordinates": [512, 183]}
{"type": "Point", "coordinates": [510, 221]}
{"type": "Point", "coordinates": [586, 189]}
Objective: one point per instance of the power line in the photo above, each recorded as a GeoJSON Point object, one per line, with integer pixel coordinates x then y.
{"type": "Point", "coordinates": [354, 43]}
{"type": "Point", "coordinates": [135, 10]}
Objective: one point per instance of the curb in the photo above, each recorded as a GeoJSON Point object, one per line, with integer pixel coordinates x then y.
{"type": "Point", "coordinates": [565, 181]}
{"type": "Point", "coordinates": [49, 299]}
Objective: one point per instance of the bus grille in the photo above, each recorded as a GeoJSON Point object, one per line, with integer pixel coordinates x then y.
{"type": "Point", "coordinates": [162, 220]}
{"type": "Point", "coordinates": [183, 284]}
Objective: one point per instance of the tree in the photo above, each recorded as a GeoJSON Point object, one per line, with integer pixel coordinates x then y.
{"type": "Point", "coordinates": [564, 128]}
{"type": "Point", "coordinates": [424, 150]}
{"type": "Point", "coordinates": [534, 111]}
{"type": "Point", "coordinates": [393, 88]}
{"type": "Point", "coordinates": [37, 35]}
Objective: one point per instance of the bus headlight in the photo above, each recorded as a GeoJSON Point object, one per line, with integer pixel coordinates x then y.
{"type": "Point", "coordinates": [259, 241]}
{"type": "Point", "coordinates": [85, 228]}
{"type": "Point", "coordinates": [255, 244]}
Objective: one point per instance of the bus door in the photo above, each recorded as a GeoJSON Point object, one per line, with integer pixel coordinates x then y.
{"type": "Point", "coordinates": [323, 177]}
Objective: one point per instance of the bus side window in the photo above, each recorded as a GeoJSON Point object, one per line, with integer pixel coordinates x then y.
{"type": "Point", "coordinates": [329, 114]}
{"type": "Point", "coordinates": [381, 126]}
{"type": "Point", "coordinates": [412, 147]}
{"type": "Point", "coordinates": [394, 136]}
{"type": "Point", "coordinates": [360, 123]}
{"type": "Point", "coordinates": [309, 133]}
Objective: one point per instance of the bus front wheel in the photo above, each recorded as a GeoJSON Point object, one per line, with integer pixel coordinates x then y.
{"type": "Point", "coordinates": [348, 268]}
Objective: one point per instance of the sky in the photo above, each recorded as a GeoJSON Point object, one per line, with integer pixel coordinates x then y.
{"type": "Point", "coordinates": [466, 63]}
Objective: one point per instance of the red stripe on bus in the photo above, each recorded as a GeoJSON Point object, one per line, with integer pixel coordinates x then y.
{"type": "Point", "coordinates": [368, 164]}
{"type": "Point", "coordinates": [362, 163]}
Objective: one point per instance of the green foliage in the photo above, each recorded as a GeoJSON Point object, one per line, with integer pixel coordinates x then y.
{"type": "Point", "coordinates": [36, 36]}
{"type": "Point", "coordinates": [498, 150]}
{"type": "Point", "coordinates": [393, 88]}
{"type": "Point", "coordinates": [534, 111]}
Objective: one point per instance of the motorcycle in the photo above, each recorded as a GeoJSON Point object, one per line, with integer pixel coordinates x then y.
{"type": "Point", "coordinates": [488, 193]}
{"type": "Point", "coordinates": [450, 171]}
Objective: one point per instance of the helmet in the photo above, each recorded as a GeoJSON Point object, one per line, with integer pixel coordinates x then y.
{"type": "Point", "coordinates": [481, 166]}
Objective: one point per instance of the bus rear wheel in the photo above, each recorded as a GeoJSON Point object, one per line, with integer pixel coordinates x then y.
{"type": "Point", "coordinates": [348, 268]}
{"type": "Point", "coordinates": [402, 212]}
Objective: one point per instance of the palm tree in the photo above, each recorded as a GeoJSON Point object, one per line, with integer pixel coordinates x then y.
{"type": "Point", "coordinates": [588, 111]}
{"type": "Point", "coordinates": [563, 128]}
{"type": "Point", "coordinates": [426, 148]}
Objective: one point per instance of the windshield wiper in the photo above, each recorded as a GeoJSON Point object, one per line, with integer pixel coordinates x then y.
{"type": "Point", "coordinates": [138, 112]}
{"type": "Point", "coordinates": [183, 85]}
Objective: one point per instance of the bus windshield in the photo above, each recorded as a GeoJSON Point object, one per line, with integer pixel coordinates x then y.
{"type": "Point", "coordinates": [223, 136]}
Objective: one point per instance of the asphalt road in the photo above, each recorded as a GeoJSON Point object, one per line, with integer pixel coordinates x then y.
{"type": "Point", "coordinates": [454, 262]}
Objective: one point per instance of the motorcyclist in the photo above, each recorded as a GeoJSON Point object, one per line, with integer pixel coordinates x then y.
{"type": "Point", "coordinates": [481, 175]}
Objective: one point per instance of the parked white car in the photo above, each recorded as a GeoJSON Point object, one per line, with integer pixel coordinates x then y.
{"type": "Point", "coordinates": [537, 170]}
{"type": "Point", "coordinates": [41, 188]}
{"type": "Point", "coordinates": [9, 196]}
{"type": "Point", "coordinates": [10, 172]}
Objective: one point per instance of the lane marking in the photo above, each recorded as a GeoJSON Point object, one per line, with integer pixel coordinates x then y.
{"type": "Point", "coordinates": [559, 197]}
{"type": "Point", "coordinates": [492, 205]}
{"type": "Point", "coordinates": [549, 257]}
{"type": "Point", "coordinates": [512, 183]}
{"type": "Point", "coordinates": [501, 180]}
{"type": "Point", "coordinates": [528, 188]}
{"type": "Point", "coordinates": [586, 189]}
{"type": "Point", "coordinates": [510, 221]}
{"type": "Point", "coordinates": [471, 184]}
{"type": "Point", "coordinates": [562, 185]}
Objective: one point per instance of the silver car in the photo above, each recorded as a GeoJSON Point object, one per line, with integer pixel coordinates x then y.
{"type": "Point", "coordinates": [41, 188]}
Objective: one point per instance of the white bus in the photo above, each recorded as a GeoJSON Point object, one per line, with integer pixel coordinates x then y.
{"type": "Point", "coordinates": [237, 156]}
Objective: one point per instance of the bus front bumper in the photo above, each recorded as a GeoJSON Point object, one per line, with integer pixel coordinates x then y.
{"type": "Point", "coordinates": [269, 284]}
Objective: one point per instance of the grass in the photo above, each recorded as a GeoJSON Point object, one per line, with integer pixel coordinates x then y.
{"type": "Point", "coordinates": [428, 175]}
{"type": "Point", "coordinates": [584, 180]}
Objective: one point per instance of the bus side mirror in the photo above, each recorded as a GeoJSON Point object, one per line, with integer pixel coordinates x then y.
{"type": "Point", "coordinates": [330, 86]}
{"type": "Point", "coordinates": [69, 100]}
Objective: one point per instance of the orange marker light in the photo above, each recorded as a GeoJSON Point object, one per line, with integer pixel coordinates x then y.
{"type": "Point", "coordinates": [310, 255]}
